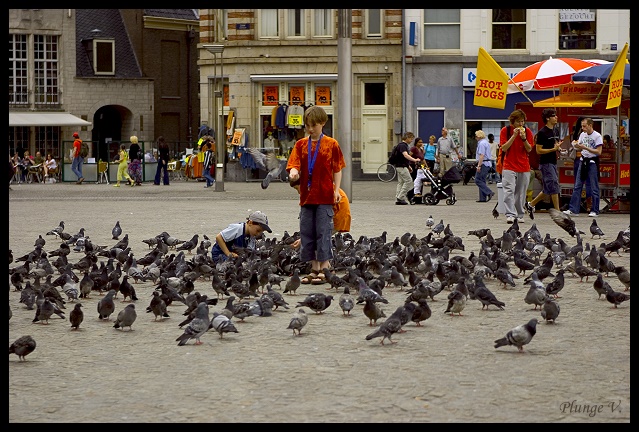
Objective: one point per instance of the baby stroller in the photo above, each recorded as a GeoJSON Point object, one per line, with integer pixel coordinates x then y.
{"type": "Point", "coordinates": [439, 188]}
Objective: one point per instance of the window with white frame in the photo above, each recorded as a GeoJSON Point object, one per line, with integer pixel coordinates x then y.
{"type": "Point", "coordinates": [323, 22]}
{"type": "Point", "coordinates": [45, 69]}
{"type": "Point", "coordinates": [18, 80]}
{"type": "Point", "coordinates": [373, 23]}
{"type": "Point", "coordinates": [577, 29]}
{"type": "Point", "coordinates": [295, 23]}
{"type": "Point", "coordinates": [442, 29]}
{"type": "Point", "coordinates": [509, 28]}
{"type": "Point", "coordinates": [269, 23]}
{"type": "Point", "coordinates": [104, 56]}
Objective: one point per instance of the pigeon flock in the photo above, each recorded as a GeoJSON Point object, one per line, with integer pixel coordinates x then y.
{"type": "Point", "coordinates": [178, 277]}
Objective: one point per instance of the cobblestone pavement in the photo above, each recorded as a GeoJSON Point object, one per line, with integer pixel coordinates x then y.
{"type": "Point", "coordinates": [447, 370]}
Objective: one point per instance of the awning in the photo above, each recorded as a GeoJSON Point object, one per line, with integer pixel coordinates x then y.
{"type": "Point", "coordinates": [45, 119]}
{"type": "Point", "coordinates": [564, 101]}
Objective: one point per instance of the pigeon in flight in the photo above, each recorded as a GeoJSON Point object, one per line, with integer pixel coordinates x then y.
{"type": "Point", "coordinates": [563, 221]}
{"type": "Point", "coordinates": [269, 163]}
{"type": "Point", "coordinates": [520, 335]}
{"type": "Point", "coordinates": [22, 347]}
{"type": "Point", "coordinates": [116, 231]}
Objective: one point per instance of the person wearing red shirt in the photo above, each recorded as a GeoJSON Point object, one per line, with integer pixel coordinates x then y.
{"type": "Point", "coordinates": [516, 141]}
{"type": "Point", "coordinates": [76, 165]}
{"type": "Point", "coordinates": [317, 161]}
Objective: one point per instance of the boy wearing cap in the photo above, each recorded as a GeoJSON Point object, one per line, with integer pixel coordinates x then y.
{"type": "Point", "coordinates": [76, 165]}
{"type": "Point", "coordinates": [239, 235]}
{"type": "Point", "coordinates": [317, 161]}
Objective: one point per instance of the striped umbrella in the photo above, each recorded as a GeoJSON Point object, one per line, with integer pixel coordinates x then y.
{"type": "Point", "coordinates": [549, 73]}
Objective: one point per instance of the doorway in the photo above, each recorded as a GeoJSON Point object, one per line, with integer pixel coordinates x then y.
{"type": "Point", "coordinates": [374, 125]}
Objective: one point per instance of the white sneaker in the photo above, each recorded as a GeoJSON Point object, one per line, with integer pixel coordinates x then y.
{"type": "Point", "coordinates": [592, 214]}
{"type": "Point", "coordinates": [571, 214]}
{"type": "Point", "coordinates": [520, 220]}
{"type": "Point", "coordinates": [510, 220]}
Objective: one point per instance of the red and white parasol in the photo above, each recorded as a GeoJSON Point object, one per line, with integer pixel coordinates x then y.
{"type": "Point", "coordinates": [550, 73]}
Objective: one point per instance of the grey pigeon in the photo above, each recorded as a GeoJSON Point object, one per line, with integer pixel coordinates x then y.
{"type": "Point", "coordinates": [57, 230]}
{"type": "Point", "coordinates": [550, 310]}
{"type": "Point", "coordinates": [197, 327]}
{"type": "Point", "coordinates": [519, 336]}
{"type": "Point", "coordinates": [495, 211]}
{"type": "Point", "coordinates": [298, 321]}
{"type": "Point", "coordinates": [366, 292]}
{"type": "Point", "coordinates": [222, 324]}
{"type": "Point", "coordinates": [116, 231]}
{"type": "Point", "coordinates": [556, 285]}
{"type": "Point", "coordinates": [623, 275]}
{"type": "Point", "coordinates": [373, 312]}
{"type": "Point", "coordinates": [595, 230]}
{"type": "Point", "coordinates": [126, 317]}
{"type": "Point", "coordinates": [389, 327]}
{"type": "Point", "coordinates": [430, 222]}
{"type": "Point", "coordinates": [317, 302]}
{"type": "Point", "coordinates": [487, 297]}
{"type": "Point", "coordinates": [563, 221]}
{"type": "Point", "coordinates": [269, 163]}
{"type": "Point", "coordinates": [346, 302]}
{"type": "Point", "coordinates": [157, 306]}
{"type": "Point", "coordinates": [616, 297]}
{"type": "Point", "coordinates": [76, 316]}
{"type": "Point", "coordinates": [600, 285]}
{"type": "Point", "coordinates": [536, 295]}
{"type": "Point", "coordinates": [44, 311]}
{"type": "Point", "coordinates": [422, 312]}
{"type": "Point", "coordinates": [456, 303]}
{"type": "Point", "coordinates": [189, 245]}
{"type": "Point", "coordinates": [106, 305]}
{"type": "Point", "coordinates": [22, 347]}
{"type": "Point", "coordinates": [293, 283]}
{"type": "Point", "coordinates": [439, 227]}
{"type": "Point", "coordinates": [277, 298]}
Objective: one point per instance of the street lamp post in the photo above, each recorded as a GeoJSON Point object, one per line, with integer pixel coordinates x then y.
{"type": "Point", "coordinates": [218, 92]}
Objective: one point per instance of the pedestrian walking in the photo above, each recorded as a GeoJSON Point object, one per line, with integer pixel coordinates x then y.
{"type": "Point", "coordinates": [163, 162]}
{"type": "Point", "coordinates": [482, 154]}
{"type": "Point", "coordinates": [78, 160]}
{"type": "Point", "coordinates": [404, 179]}
{"type": "Point", "coordinates": [445, 147]}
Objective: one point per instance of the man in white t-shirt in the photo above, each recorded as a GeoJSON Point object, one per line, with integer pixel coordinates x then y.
{"type": "Point", "coordinates": [446, 147]}
{"type": "Point", "coordinates": [590, 143]}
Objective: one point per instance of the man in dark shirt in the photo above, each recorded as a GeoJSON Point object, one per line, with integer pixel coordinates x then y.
{"type": "Point", "coordinates": [547, 145]}
{"type": "Point", "coordinates": [404, 180]}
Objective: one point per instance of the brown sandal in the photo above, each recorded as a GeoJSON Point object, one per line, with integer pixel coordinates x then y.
{"type": "Point", "coordinates": [319, 279]}
{"type": "Point", "coordinates": [309, 278]}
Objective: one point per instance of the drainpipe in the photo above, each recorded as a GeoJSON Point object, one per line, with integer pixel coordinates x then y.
{"type": "Point", "coordinates": [190, 36]}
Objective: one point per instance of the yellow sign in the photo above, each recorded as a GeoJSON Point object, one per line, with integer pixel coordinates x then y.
{"type": "Point", "coordinates": [295, 120]}
{"type": "Point", "coordinates": [615, 80]}
{"type": "Point", "coordinates": [491, 83]}
{"type": "Point", "coordinates": [237, 137]}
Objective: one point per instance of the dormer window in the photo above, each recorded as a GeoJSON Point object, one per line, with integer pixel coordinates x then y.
{"type": "Point", "coordinates": [104, 56]}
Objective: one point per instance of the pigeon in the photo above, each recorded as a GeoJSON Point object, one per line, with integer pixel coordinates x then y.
{"type": "Point", "coordinates": [595, 230]}
{"type": "Point", "coordinates": [520, 335]}
{"type": "Point", "coordinates": [615, 297]}
{"type": "Point", "coordinates": [189, 245]}
{"type": "Point", "coordinates": [116, 231]}
{"type": "Point", "coordinates": [456, 302]}
{"type": "Point", "coordinates": [373, 312]}
{"type": "Point", "coordinates": [127, 289]}
{"type": "Point", "coordinates": [57, 230]}
{"type": "Point", "coordinates": [366, 292]}
{"type": "Point", "coordinates": [615, 245]}
{"type": "Point", "coordinates": [430, 222]}
{"type": "Point", "coordinates": [317, 302]}
{"type": "Point", "coordinates": [222, 324]}
{"type": "Point", "coordinates": [556, 285]}
{"type": "Point", "coordinates": [623, 275]}
{"type": "Point", "coordinates": [199, 325]}
{"type": "Point", "coordinates": [487, 297]}
{"type": "Point", "coordinates": [22, 347]}
{"type": "Point", "coordinates": [44, 311]}
{"type": "Point", "coordinates": [293, 282]}
{"type": "Point", "coordinates": [106, 305]}
{"type": "Point", "coordinates": [346, 302]}
{"type": "Point", "coordinates": [422, 312]}
{"type": "Point", "coordinates": [269, 163]}
{"type": "Point", "coordinates": [439, 227]}
{"type": "Point", "coordinates": [126, 317]}
{"type": "Point", "coordinates": [495, 211]}
{"type": "Point", "coordinates": [298, 321]}
{"type": "Point", "coordinates": [563, 221]}
{"type": "Point", "coordinates": [277, 298]}
{"type": "Point", "coordinates": [600, 285]}
{"type": "Point", "coordinates": [389, 327]}
{"type": "Point", "coordinates": [550, 310]}
{"type": "Point", "coordinates": [536, 295]}
{"type": "Point", "coordinates": [76, 316]}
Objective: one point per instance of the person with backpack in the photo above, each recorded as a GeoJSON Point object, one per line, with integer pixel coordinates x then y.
{"type": "Point", "coordinates": [135, 156]}
{"type": "Point", "coordinates": [78, 159]}
{"type": "Point", "coordinates": [401, 163]}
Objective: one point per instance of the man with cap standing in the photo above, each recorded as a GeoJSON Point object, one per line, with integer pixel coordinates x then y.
{"type": "Point", "coordinates": [76, 165]}
{"type": "Point", "coordinates": [239, 235]}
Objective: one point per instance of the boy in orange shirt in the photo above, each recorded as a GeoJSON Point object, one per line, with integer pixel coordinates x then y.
{"type": "Point", "coordinates": [316, 161]}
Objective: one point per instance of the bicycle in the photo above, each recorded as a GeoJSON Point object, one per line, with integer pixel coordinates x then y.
{"type": "Point", "coordinates": [386, 172]}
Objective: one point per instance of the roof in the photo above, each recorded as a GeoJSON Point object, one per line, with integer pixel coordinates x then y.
{"type": "Point", "coordinates": [186, 14]}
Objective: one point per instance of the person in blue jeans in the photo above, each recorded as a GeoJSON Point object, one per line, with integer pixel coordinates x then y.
{"type": "Point", "coordinates": [163, 162]}
{"type": "Point", "coordinates": [208, 163]}
{"type": "Point", "coordinates": [482, 154]}
{"type": "Point", "coordinates": [590, 144]}
{"type": "Point", "coordinates": [76, 165]}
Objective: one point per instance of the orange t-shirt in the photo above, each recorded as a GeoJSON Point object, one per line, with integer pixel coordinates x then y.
{"type": "Point", "coordinates": [329, 160]}
{"type": "Point", "coordinates": [342, 214]}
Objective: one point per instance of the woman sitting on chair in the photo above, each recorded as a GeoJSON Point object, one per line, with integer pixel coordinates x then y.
{"type": "Point", "coordinates": [49, 165]}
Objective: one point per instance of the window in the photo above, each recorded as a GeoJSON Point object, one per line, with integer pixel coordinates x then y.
{"type": "Point", "coordinates": [295, 23]}
{"type": "Point", "coordinates": [373, 23]}
{"type": "Point", "coordinates": [45, 65]}
{"type": "Point", "coordinates": [577, 29]}
{"type": "Point", "coordinates": [18, 82]}
{"type": "Point", "coordinates": [509, 28]}
{"type": "Point", "coordinates": [268, 19]}
{"type": "Point", "coordinates": [442, 29]}
{"type": "Point", "coordinates": [323, 22]}
{"type": "Point", "coordinates": [374, 93]}
{"type": "Point", "coordinates": [104, 57]}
